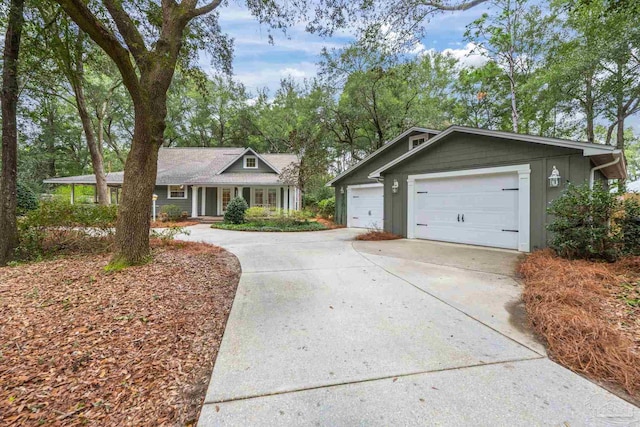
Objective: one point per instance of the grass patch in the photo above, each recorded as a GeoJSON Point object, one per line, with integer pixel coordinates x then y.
{"type": "Point", "coordinates": [271, 226]}
{"type": "Point", "coordinates": [378, 235]}
{"type": "Point", "coordinates": [586, 313]}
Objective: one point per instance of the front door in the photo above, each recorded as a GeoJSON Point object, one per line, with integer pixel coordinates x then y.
{"type": "Point", "coordinates": [225, 197]}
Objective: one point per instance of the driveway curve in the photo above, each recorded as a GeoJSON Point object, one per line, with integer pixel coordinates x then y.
{"type": "Point", "coordinates": [323, 334]}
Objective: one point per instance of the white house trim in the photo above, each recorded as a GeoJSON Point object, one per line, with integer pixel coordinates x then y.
{"type": "Point", "coordinates": [349, 190]}
{"type": "Point", "coordinates": [588, 149]}
{"type": "Point", "coordinates": [204, 201]}
{"type": "Point", "coordinates": [253, 153]}
{"type": "Point", "coordinates": [524, 197]}
{"type": "Point", "coordinates": [194, 202]}
{"type": "Point", "coordinates": [380, 150]}
{"type": "Point", "coordinates": [413, 138]}
{"type": "Point", "coordinates": [186, 195]}
{"type": "Point", "coordinates": [244, 162]}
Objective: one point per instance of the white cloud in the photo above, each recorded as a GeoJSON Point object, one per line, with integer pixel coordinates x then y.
{"type": "Point", "coordinates": [260, 75]}
{"type": "Point", "coordinates": [467, 56]}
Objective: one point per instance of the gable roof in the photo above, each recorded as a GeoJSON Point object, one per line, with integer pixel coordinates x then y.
{"type": "Point", "coordinates": [599, 153]}
{"type": "Point", "coordinates": [244, 153]}
{"type": "Point", "coordinates": [198, 166]}
{"type": "Point", "coordinates": [380, 150]}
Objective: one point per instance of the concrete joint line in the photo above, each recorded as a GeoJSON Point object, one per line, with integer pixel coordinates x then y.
{"type": "Point", "coordinates": [446, 303]}
{"type": "Point", "coordinates": [368, 380]}
{"type": "Point", "coordinates": [310, 269]}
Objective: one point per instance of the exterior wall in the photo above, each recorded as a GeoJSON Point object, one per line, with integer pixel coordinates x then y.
{"type": "Point", "coordinates": [238, 166]}
{"type": "Point", "coordinates": [360, 175]}
{"type": "Point", "coordinates": [184, 204]}
{"type": "Point", "coordinates": [470, 152]}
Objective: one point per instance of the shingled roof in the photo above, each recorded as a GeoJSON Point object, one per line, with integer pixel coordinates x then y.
{"type": "Point", "coordinates": [198, 166]}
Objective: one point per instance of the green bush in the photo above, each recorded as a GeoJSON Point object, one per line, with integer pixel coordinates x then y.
{"type": "Point", "coordinates": [27, 199]}
{"type": "Point", "coordinates": [58, 225]}
{"type": "Point", "coordinates": [327, 207]}
{"type": "Point", "coordinates": [256, 212]}
{"type": "Point", "coordinates": [170, 212]}
{"type": "Point", "coordinates": [630, 226]}
{"type": "Point", "coordinates": [582, 224]}
{"type": "Point", "coordinates": [236, 211]}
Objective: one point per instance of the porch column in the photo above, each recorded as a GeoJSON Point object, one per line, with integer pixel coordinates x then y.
{"type": "Point", "coordinates": [73, 194]}
{"type": "Point", "coordinates": [291, 202]}
{"type": "Point", "coordinates": [286, 198]}
{"type": "Point", "coordinates": [204, 201]}
{"type": "Point", "coordinates": [240, 193]}
{"type": "Point", "coordinates": [194, 202]}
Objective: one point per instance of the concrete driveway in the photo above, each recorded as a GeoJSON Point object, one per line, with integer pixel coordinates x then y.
{"type": "Point", "coordinates": [328, 331]}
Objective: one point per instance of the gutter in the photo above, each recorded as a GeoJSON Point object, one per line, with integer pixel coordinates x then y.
{"type": "Point", "coordinates": [592, 173]}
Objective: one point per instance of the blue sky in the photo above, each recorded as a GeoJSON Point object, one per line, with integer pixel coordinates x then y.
{"type": "Point", "coordinates": [259, 64]}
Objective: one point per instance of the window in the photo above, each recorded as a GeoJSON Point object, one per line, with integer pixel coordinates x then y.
{"type": "Point", "coordinates": [416, 141]}
{"type": "Point", "coordinates": [176, 192]}
{"type": "Point", "coordinates": [259, 197]}
{"type": "Point", "coordinates": [272, 198]}
{"type": "Point", "coordinates": [250, 162]}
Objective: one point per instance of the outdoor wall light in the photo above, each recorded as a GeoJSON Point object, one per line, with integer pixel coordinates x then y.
{"type": "Point", "coordinates": [395, 186]}
{"type": "Point", "coordinates": [554, 178]}
{"type": "Point", "coordinates": [341, 190]}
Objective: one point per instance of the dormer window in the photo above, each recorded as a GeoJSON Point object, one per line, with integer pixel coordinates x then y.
{"type": "Point", "coordinates": [418, 140]}
{"type": "Point", "coordinates": [250, 162]}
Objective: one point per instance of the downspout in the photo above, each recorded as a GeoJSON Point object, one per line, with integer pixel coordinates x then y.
{"type": "Point", "coordinates": [606, 165]}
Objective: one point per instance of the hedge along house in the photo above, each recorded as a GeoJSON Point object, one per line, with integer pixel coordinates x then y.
{"type": "Point", "coordinates": [468, 185]}
{"type": "Point", "coordinates": [202, 181]}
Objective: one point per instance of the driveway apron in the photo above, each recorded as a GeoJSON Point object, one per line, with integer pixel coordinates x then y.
{"type": "Point", "coordinates": [322, 334]}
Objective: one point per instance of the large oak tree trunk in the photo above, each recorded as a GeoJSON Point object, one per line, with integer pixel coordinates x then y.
{"type": "Point", "coordinates": [132, 231]}
{"type": "Point", "coordinates": [8, 184]}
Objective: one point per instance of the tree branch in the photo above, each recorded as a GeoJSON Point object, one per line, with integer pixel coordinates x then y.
{"type": "Point", "coordinates": [104, 38]}
{"type": "Point", "coordinates": [461, 6]}
{"type": "Point", "coordinates": [127, 29]}
{"type": "Point", "coordinates": [204, 9]}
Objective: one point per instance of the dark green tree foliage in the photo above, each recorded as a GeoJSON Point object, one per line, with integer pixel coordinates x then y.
{"type": "Point", "coordinates": [236, 210]}
{"type": "Point", "coordinates": [592, 224]}
{"type": "Point", "coordinates": [27, 199]}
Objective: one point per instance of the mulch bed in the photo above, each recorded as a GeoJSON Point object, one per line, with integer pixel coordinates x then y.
{"type": "Point", "coordinates": [377, 236]}
{"type": "Point", "coordinates": [589, 315]}
{"type": "Point", "coordinates": [328, 223]}
{"type": "Point", "coordinates": [134, 347]}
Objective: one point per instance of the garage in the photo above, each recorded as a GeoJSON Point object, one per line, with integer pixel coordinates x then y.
{"type": "Point", "coordinates": [478, 207]}
{"type": "Point", "coordinates": [365, 206]}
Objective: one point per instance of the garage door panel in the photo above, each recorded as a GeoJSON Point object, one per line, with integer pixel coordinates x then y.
{"type": "Point", "coordinates": [471, 209]}
{"type": "Point", "coordinates": [365, 206]}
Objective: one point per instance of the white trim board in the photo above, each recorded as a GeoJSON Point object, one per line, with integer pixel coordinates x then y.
{"type": "Point", "coordinates": [588, 149]}
{"type": "Point", "coordinates": [380, 150]}
{"type": "Point", "coordinates": [524, 197]}
{"type": "Point", "coordinates": [185, 188]}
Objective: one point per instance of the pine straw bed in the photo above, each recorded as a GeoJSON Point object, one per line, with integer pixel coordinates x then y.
{"type": "Point", "coordinates": [135, 347]}
{"type": "Point", "coordinates": [581, 309]}
{"type": "Point", "coordinates": [374, 236]}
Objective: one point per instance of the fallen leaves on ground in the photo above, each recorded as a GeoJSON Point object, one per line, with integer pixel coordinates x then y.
{"type": "Point", "coordinates": [328, 223]}
{"type": "Point", "coordinates": [585, 311]}
{"type": "Point", "coordinates": [167, 224]}
{"type": "Point", "coordinates": [377, 235]}
{"type": "Point", "coordinates": [135, 347]}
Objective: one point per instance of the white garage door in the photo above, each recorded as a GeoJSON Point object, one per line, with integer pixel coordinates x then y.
{"type": "Point", "coordinates": [365, 206]}
{"type": "Point", "coordinates": [477, 209]}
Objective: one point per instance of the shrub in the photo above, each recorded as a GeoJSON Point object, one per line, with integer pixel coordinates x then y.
{"type": "Point", "coordinates": [236, 210]}
{"type": "Point", "coordinates": [256, 212]}
{"type": "Point", "coordinates": [58, 226]}
{"type": "Point", "coordinates": [581, 225]}
{"type": "Point", "coordinates": [629, 223]}
{"type": "Point", "coordinates": [26, 198]}
{"type": "Point", "coordinates": [170, 213]}
{"type": "Point", "coordinates": [327, 207]}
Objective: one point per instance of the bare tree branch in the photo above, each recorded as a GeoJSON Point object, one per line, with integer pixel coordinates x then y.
{"type": "Point", "coordinates": [460, 6]}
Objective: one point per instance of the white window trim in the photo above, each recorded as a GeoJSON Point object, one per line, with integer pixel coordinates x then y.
{"type": "Point", "coordinates": [424, 136]}
{"type": "Point", "coordinates": [524, 197]}
{"type": "Point", "coordinates": [349, 190]}
{"type": "Point", "coordinates": [186, 192]}
{"type": "Point", "coordinates": [265, 197]}
{"type": "Point", "coordinates": [244, 162]}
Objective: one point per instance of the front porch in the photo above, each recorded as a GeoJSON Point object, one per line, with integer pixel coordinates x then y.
{"type": "Point", "coordinates": [212, 201]}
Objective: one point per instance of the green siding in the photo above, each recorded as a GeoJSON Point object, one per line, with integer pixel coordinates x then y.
{"type": "Point", "coordinates": [183, 204]}
{"type": "Point", "coordinates": [238, 166]}
{"type": "Point", "coordinates": [459, 152]}
{"type": "Point", "coordinates": [361, 175]}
